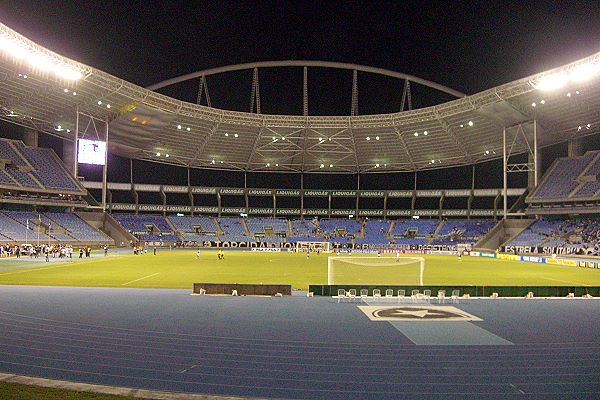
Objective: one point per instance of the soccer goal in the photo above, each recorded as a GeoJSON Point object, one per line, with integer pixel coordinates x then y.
{"type": "Point", "coordinates": [325, 247]}
{"type": "Point", "coordinates": [375, 270]}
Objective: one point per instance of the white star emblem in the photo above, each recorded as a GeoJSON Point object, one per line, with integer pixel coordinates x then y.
{"type": "Point", "coordinates": [415, 313]}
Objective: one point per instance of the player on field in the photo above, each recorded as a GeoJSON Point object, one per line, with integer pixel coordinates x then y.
{"type": "Point", "coordinates": [397, 256]}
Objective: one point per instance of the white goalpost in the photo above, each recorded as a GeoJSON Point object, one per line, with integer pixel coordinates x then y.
{"type": "Point", "coordinates": [375, 270]}
{"type": "Point", "coordinates": [325, 247]}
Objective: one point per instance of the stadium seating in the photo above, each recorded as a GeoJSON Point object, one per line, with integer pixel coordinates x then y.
{"type": "Point", "coordinates": [233, 230]}
{"type": "Point", "coordinates": [462, 231]}
{"type": "Point", "coordinates": [41, 169]}
{"type": "Point", "coordinates": [143, 223]}
{"type": "Point", "coordinates": [18, 232]}
{"type": "Point", "coordinates": [258, 225]}
{"type": "Point", "coordinates": [375, 232]}
{"type": "Point", "coordinates": [561, 180]}
{"type": "Point", "coordinates": [193, 224]}
{"type": "Point", "coordinates": [423, 227]}
{"type": "Point", "coordinates": [78, 228]}
{"type": "Point", "coordinates": [538, 232]}
{"type": "Point", "coordinates": [330, 226]}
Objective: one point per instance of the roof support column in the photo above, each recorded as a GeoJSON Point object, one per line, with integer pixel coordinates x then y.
{"type": "Point", "coordinates": [105, 168]}
{"type": "Point", "coordinates": [504, 174]}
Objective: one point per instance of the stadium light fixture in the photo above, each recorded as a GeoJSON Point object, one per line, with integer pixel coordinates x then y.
{"type": "Point", "coordinates": [226, 134]}
{"type": "Point", "coordinates": [542, 101]}
{"type": "Point", "coordinates": [533, 104]}
{"type": "Point", "coordinates": [74, 93]}
{"type": "Point", "coordinates": [235, 135]}
{"type": "Point", "coordinates": [277, 165]}
{"type": "Point", "coordinates": [322, 166]}
{"type": "Point", "coordinates": [576, 92]}
{"type": "Point", "coordinates": [157, 154]}
{"type": "Point", "coordinates": [569, 94]}
{"type": "Point", "coordinates": [376, 165]}
{"type": "Point", "coordinates": [584, 72]}
{"type": "Point", "coordinates": [552, 82]}
{"type": "Point", "coordinates": [12, 48]}
{"type": "Point", "coordinates": [99, 102]}
{"type": "Point", "coordinates": [178, 126]}
{"type": "Point", "coordinates": [462, 126]}
{"type": "Point", "coordinates": [416, 134]}
{"type": "Point", "coordinates": [425, 133]}
{"type": "Point", "coordinates": [330, 165]}
{"type": "Point", "coordinates": [188, 129]}
{"type": "Point", "coordinates": [283, 138]}
{"type": "Point", "coordinates": [368, 138]}
{"type": "Point", "coordinates": [167, 155]}
{"type": "Point", "coordinates": [487, 152]}
{"type": "Point", "coordinates": [108, 106]}
{"type": "Point", "coordinates": [66, 90]}
{"type": "Point", "coordinates": [376, 137]}
{"type": "Point", "coordinates": [213, 161]}
{"type": "Point", "coordinates": [470, 123]}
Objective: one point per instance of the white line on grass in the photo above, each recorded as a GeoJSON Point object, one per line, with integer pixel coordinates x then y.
{"type": "Point", "coordinates": [135, 280]}
{"type": "Point", "coordinates": [35, 269]}
{"type": "Point", "coordinates": [560, 280]}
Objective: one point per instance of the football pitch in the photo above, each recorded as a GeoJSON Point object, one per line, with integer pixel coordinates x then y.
{"type": "Point", "coordinates": [180, 268]}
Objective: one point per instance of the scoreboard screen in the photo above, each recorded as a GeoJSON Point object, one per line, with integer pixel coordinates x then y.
{"type": "Point", "coordinates": [91, 152]}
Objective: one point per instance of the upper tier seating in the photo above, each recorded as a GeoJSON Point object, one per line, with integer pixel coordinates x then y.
{"type": "Point", "coordinates": [41, 165]}
{"type": "Point", "coordinates": [560, 181]}
{"type": "Point", "coordinates": [47, 168]}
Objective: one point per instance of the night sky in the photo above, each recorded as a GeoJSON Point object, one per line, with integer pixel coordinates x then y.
{"type": "Point", "coordinates": [468, 46]}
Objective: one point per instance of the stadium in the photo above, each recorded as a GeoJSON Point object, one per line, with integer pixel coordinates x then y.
{"type": "Point", "coordinates": [160, 241]}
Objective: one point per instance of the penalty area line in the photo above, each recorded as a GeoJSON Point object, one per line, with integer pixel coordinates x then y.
{"type": "Point", "coordinates": [135, 280]}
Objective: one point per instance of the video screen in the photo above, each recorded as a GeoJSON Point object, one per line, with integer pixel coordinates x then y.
{"type": "Point", "coordinates": [91, 152]}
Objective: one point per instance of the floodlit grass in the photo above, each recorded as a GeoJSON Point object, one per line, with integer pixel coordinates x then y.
{"type": "Point", "coordinates": [16, 391]}
{"type": "Point", "coordinates": [181, 268]}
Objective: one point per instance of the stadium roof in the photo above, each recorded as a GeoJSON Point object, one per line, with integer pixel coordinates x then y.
{"type": "Point", "coordinates": [43, 90]}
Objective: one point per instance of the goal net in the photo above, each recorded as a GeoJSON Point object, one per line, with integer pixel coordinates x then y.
{"type": "Point", "coordinates": [325, 247]}
{"type": "Point", "coordinates": [375, 270]}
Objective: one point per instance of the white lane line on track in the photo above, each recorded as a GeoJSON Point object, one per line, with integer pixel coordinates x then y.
{"type": "Point", "coordinates": [183, 371]}
{"type": "Point", "coordinates": [560, 280]}
{"type": "Point", "coordinates": [135, 280]}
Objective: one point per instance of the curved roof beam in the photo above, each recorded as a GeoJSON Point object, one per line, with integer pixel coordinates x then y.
{"type": "Point", "coordinates": [306, 63]}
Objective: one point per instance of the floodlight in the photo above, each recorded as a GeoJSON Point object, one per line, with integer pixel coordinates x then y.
{"type": "Point", "coordinates": [533, 104]}
{"type": "Point", "coordinates": [376, 137]}
{"type": "Point", "coordinates": [157, 154]}
{"type": "Point", "coordinates": [188, 129]}
{"type": "Point", "coordinates": [66, 90]}
{"type": "Point", "coordinates": [108, 106]}
{"type": "Point", "coordinates": [552, 82]}
{"type": "Point", "coordinates": [543, 102]}
{"type": "Point", "coordinates": [470, 123]}
{"type": "Point", "coordinates": [376, 165]}
{"type": "Point", "coordinates": [322, 166]}
{"type": "Point", "coordinates": [368, 138]}
{"type": "Point", "coordinates": [330, 165]}
{"type": "Point", "coordinates": [67, 72]}
{"type": "Point", "coordinates": [166, 155]}
{"type": "Point", "coordinates": [12, 48]}
{"type": "Point", "coordinates": [99, 102]}
{"type": "Point", "coordinates": [235, 135]}
{"type": "Point", "coordinates": [584, 72]}
{"type": "Point", "coordinates": [425, 133]}
{"type": "Point", "coordinates": [178, 126]}
{"type": "Point", "coordinates": [416, 134]}
{"type": "Point", "coordinates": [277, 165]}
{"type": "Point", "coordinates": [39, 61]}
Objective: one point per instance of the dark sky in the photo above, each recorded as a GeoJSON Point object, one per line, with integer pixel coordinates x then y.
{"type": "Point", "coordinates": [466, 45]}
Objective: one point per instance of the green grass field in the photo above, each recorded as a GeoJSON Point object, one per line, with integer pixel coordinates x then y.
{"type": "Point", "coordinates": [179, 269]}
